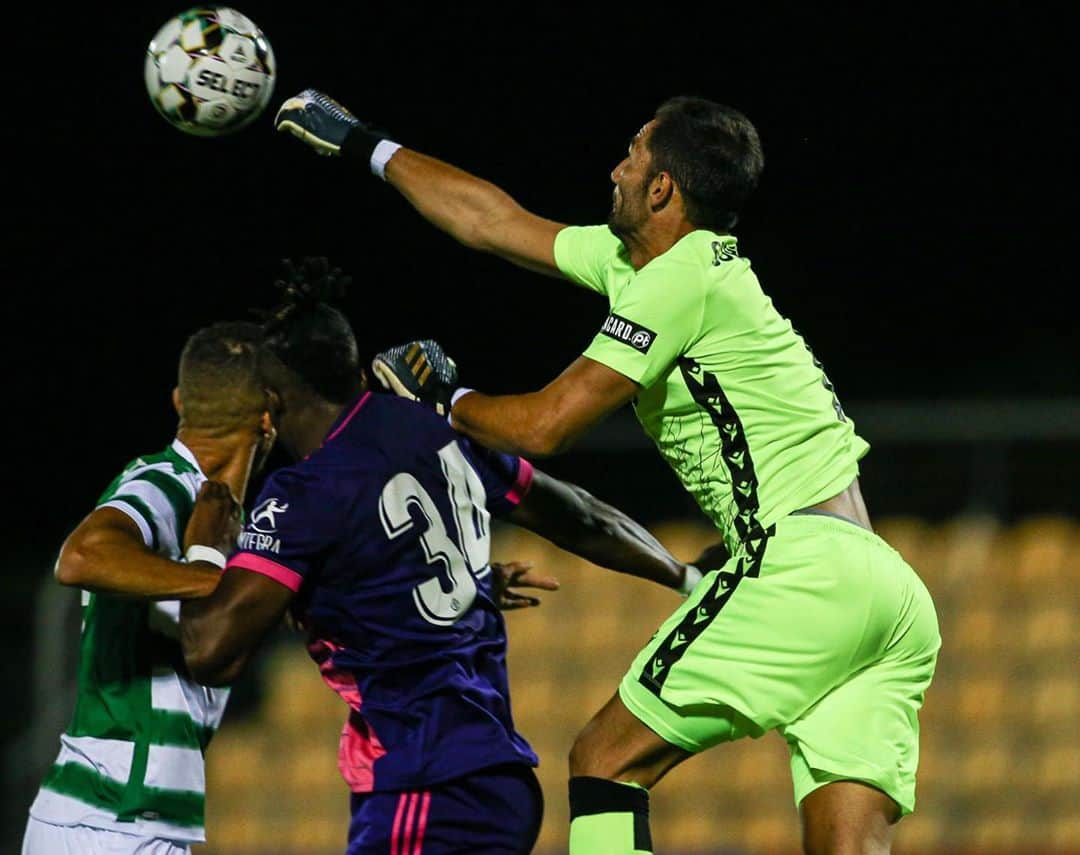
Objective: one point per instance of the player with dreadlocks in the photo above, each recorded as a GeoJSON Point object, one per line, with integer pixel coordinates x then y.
{"type": "Point", "coordinates": [129, 774]}
{"type": "Point", "coordinates": [378, 540]}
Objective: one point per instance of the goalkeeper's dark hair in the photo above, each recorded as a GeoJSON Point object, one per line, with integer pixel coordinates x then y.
{"type": "Point", "coordinates": [309, 337]}
{"type": "Point", "coordinates": [713, 153]}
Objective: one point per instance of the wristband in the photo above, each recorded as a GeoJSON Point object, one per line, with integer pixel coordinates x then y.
{"type": "Point", "coordinates": [693, 576]}
{"type": "Point", "coordinates": [380, 156]}
{"type": "Point", "coordinates": [195, 552]}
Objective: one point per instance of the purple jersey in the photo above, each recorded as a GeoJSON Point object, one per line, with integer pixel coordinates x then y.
{"type": "Point", "coordinates": [384, 534]}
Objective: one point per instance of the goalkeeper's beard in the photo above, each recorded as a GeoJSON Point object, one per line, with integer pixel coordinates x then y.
{"type": "Point", "coordinates": [621, 221]}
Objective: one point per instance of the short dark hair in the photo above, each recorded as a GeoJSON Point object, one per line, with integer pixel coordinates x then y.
{"type": "Point", "coordinates": [218, 379]}
{"type": "Point", "coordinates": [713, 154]}
{"type": "Point", "coordinates": [310, 338]}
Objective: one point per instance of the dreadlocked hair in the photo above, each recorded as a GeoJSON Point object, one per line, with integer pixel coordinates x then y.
{"type": "Point", "coordinates": [310, 337]}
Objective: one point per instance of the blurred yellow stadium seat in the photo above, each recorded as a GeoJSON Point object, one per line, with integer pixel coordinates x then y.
{"type": "Point", "coordinates": [976, 630]}
{"type": "Point", "coordinates": [297, 699]}
{"type": "Point", "coordinates": [1055, 700]}
{"type": "Point", "coordinates": [998, 831]}
{"type": "Point", "coordinates": [981, 700]}
{"type": "Point", "coordinates": [1059, 768]}
{"type": "Point", "coordinates": [986, 766]}
{"type": "Point", "coordinates": [1045, 547]}
{"type": "Point", "coordinates": [1065, 832]}
{"type": "Point", "coordinates": [771, 831]}
{"type": "Point", "coordinates": [1051, 628]}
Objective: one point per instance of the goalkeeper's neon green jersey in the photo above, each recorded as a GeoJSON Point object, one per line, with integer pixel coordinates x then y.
{"type": "Point", "coordinates": [731, 394]}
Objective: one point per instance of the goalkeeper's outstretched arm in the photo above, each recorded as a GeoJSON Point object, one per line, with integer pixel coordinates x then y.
{"type": "Point", "coordinates": [471, 210]}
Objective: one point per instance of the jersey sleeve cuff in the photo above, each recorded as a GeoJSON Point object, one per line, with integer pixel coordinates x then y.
{"type": "Point", "coordinates": [136, 517]}
{"type": "Point", "coordinates": [271, 569]}
{"type": "Point", "coordinates": [637, 369]}
{"type": "Point", "coordinates": [522, 483]}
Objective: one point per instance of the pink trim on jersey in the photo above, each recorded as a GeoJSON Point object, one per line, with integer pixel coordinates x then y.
{"type": "Point", "coordinates": [348, 418]}
{"type": "Point", "coordinates": [398, 817]}
{"type": "Point", "coordinates": [359, 747]}
{"type": "Point", "coordinates": [406, 844]}
{"type": "Point", "coordinates": [410, 824]}
{"type": "Point", "coordinates": [339, 680]}
{"type": "Point", "coordinates": [522, 483]}
{"type": "Point", "coordinates": [425, 803]}
{"type": "Point", "coordinates": [357, 752]}
{"type": "Point", "coordinates": [257, 564]}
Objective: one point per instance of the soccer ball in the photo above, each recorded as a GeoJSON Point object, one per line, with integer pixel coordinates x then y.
{"type": "Point", "coordinates": [209, 71]}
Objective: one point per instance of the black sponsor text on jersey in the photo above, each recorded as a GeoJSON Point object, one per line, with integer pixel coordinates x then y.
{"type": "Point", "coordinates": [635, 335]}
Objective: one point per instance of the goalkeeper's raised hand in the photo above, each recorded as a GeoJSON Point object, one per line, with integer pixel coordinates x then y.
{"type": "Point", "coordinates": [420, 371]}
{"type": "Point", "coordinates": [330, 129]}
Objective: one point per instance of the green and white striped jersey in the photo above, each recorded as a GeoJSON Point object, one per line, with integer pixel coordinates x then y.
{"type": "Point", "coordinates": [132, 758]}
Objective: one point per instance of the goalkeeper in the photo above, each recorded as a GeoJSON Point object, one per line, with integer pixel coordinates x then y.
{"type": "Point", "coordinates": [813, 626]}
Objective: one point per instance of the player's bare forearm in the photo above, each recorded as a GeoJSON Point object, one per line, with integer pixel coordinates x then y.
{"type": "Point", "coordinates": [220, 633]}
{"type": "Point", "coordinates": [572, 518]}
{"type": "Point", "coordinates": [517, 424]}
{"type": "Point", "coordinates": [473, 211]}
{"type": "Point", "coordinates": [540, 424]}
{"type": "Point", "coordinates": [106, 554]}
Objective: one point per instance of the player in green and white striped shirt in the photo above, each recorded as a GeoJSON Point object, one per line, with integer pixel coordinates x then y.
{"type": "Point", "coordinates": [130, 776]}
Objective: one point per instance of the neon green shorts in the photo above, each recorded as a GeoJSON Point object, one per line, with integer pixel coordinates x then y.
{"type": "Point", "coordinates": [833, 643]}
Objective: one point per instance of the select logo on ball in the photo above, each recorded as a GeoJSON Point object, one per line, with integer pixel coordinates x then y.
{"type": "Point", "coordinates": [220, 83]}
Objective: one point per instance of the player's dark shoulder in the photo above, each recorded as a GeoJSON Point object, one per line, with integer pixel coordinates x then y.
{"type": "Point", "coordinates": [406, 410]}
{"type": "Point", "coordinates": [297, 481]}
{"type": "Point", "coordinates": [383, 436]}
{"type": "Point", "coordinates": [394, 422]}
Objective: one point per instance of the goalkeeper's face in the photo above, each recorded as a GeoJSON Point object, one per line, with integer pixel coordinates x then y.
{"type": "Point", "coordinates": [629, 199]}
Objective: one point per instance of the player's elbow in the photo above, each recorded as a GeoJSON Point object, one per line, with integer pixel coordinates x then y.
{"type": "Point", "coordinates": [495, 225]}
{"type": "Point", "coordinates": [208, 660]}
{"type": "Point", "coordinates": [209, 668]}
{"type": "Point", "coordinates": [215, 678]}
{"type": "Point", "coordinates": [539, 442]}
{"type": "Point", "coordinates": [75, 565]}
{"type": "Point", "coordinates": [599, 521]}
{"type": "Point", "coordinates": [548, 436]}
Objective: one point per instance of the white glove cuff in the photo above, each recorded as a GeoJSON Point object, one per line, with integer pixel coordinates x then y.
{"type": "Point", "coordinates": [384, 150]}
{"type": "Point", "coordinates": [205, 553]}
{"type": "Point", "coordinates": [693, 576]}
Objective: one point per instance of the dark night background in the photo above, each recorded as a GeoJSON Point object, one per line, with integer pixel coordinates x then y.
{"type": "Point", "coordinates": [913, 217]}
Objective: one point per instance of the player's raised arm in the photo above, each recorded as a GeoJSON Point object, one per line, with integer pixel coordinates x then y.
{"type": "Point", "coordinates": [106, 554]}
{"type": "Point", "coordinates": [575, 520]}
{"type": "Point", "coordinates": [219, 633]}
{"type": "Point", "coordinates": [471, 210]}
{"type": "Point", "coordinates": [537, 424]}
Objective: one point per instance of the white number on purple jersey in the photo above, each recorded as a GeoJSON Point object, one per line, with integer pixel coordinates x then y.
{"type": "Point", "coordinates": [461, 560]}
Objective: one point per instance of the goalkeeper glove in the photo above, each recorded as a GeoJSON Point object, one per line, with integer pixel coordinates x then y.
{"type": "Point", "coordinates": [331, 129]}
{"type": "Point", "coordinates": [420, 371]}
